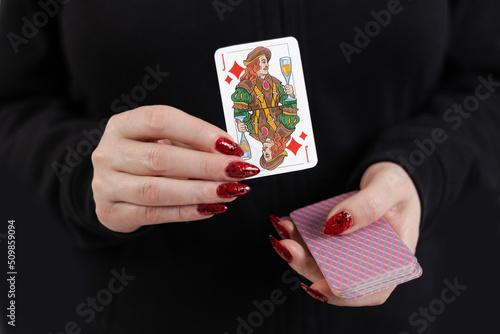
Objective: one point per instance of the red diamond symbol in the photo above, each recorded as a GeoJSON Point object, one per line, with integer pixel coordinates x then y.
{"type": "Point", "coordinates": [228, 79]}
{"type": "Point", "coordinates": [303, 136]}
{"type": "Point", "coordinates": [294, 146]}
{"type": "Point", "coordinates": [236, 70]}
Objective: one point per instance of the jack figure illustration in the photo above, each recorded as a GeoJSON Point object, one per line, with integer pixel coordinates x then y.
{"type": "Point", "coordinates": [265, 108]}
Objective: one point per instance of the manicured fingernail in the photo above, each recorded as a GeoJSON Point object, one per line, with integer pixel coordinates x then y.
{"type": "Point", "coordinates": [278, 227]}
{"type": "Point", "coordinates": [232, 189]}
{"type": "Point", "coordinates": [211, 209]}
{"type": "Point", "coordinates": [314, 293]}
{"type": "Point", "coordinates": [280, 249]}
{"type": "Point", "coordinates": [338, 223]}
{"type": "Point", "coordinates": [225, 146]}
{"type": "Point", "coordinates": [240, 169]}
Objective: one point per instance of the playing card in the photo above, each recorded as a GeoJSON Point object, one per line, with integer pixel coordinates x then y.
{"type": "Point", "coordinates": [265, 104]}
{"type": "Point", "coordinates": [368, 260]}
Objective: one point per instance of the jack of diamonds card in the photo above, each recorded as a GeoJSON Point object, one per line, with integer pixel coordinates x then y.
{"type": "Point", "coordinates": [265, 104]}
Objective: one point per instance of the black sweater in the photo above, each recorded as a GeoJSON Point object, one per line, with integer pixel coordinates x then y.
{"type": "Point", "coordinates": [414, 82]}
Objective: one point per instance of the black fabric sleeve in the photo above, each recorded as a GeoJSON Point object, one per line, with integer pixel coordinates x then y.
{"type": "Point", "coordinates": [39, 125]}
{"type": "Point", "coordinates": [454, 142]}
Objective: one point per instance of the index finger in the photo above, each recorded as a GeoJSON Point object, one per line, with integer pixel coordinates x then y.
{"type": "Point", "coordinates": [164, 122]}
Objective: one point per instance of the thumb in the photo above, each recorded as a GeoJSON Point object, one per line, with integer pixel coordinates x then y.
{"type": "Point", "coordinates": [362, 209]}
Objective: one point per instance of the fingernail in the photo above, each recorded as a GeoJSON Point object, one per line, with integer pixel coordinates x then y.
{"type": "Point", "coordinates": [280, 249]}
{"type": "Point", "coordinates": [211, 209]}
{"type": "Point", "coordinates": [225, 146]}
{"type": "Point", "coordinates": [314, 293]}
{"type": "Point", "coordinates": [278, 227]}
{"type": "Point", "coordinates": [338, 223]}
{"type": "Point", "coordinates": [232, 189]}
{"type": "Point", "coordinates": [240, 169]}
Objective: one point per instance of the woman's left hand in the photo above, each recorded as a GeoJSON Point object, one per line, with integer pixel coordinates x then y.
{"type": "Point", "coordinates": [386, 190]}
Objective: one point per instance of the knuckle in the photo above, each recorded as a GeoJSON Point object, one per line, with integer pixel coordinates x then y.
{"type": "Point", "coordinates": [150, 192]}
{"type": "Point", "coordinates": [197, 195]}
{"type": "Point", "coordinates": [182, 214]}
{"type": "Point", "coordinates": [157, 118]}
{"type": "Point", "coordinates": [151, 215]}
{"type": "Point", "coordinates": [374, 202]}
{"type": "Point", "coordinates": [100, 213]}
{"type": "Point", "coordinates": [103, 215]}
{"type": "Point", "coordinates": [393, 181]}
{"type": "Point", "coordinates": [113, 122]}
{"type": "Point", "coordinates": [96, 185]}
{"type": "Point", "coordinates": [113, 217]}
{"type": "Point", "coordinates": [371, 205]}
{"type": "Point", "coordinates": [178, 214]}
{"type": "Point", "coordinates": [157, 161]}
{"type": "Point", "coordinates": [206, 166]}
{"type": "Point", "coordinates": [98, 157]}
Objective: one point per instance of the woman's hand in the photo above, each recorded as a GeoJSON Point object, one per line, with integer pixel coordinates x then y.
{"type": "Point", "coordinates": [386, 190]}
{"type": "Point", "coordinates": [157, 164]}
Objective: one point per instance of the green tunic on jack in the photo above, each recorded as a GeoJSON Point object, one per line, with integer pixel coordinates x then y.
{"type": "Point", "coordinates": [264, 108]}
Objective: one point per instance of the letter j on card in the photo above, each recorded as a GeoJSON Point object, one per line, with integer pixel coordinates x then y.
{"type": "Point", "coordinates": [265, 104]}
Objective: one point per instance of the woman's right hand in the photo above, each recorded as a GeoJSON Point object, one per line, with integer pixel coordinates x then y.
{"type": "Point", "coordinates": [157, 164]}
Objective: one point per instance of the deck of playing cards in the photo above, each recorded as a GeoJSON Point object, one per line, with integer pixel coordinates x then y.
{"type": "Point", "coordinates": [265, 104]}
{"type": "Point", "coordinates": [366, 261]}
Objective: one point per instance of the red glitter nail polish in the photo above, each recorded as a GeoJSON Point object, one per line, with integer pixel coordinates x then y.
{"type": "Point", "coordinates": [278, 227]}
{"type": "Point", "coordinates": [227, 147]}
{"type": "Point", "coordinates": [232, 190]}
{"type": "Point", "coordinates": [280, 249]}
{"type": "Point", "coordinates": [314, 293]}
{"type": "Point", "coordinates": [211, 209]}
{"type": "Point", "coordinates": [240, 169]}
{"type": "Point", "coordinates": [338, 223]}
